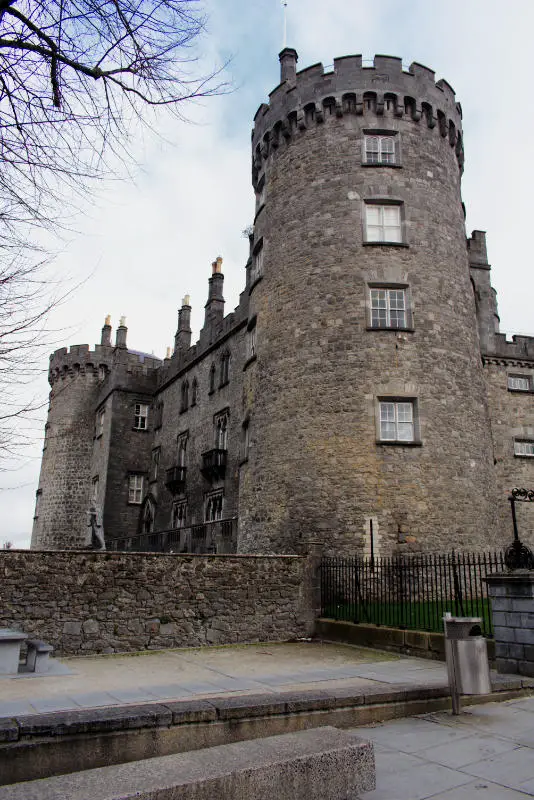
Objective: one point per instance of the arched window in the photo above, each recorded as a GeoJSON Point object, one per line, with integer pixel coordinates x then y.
{"type": "Point", "coordinates": [194, 392]}
{"type": "Point", "coordinates": [225, 368]}
{"type": "Point", "coordinates": [182, 449]}
{"type": "Point", "coordinates": [185, 396]}
{"type": "Point", "coordinates": [221, 432]}
{"type": "Point", "coordinates": [149, 513]}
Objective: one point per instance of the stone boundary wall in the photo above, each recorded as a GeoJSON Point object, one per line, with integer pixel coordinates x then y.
{"type": "Point", "coordinates": [85, 603]}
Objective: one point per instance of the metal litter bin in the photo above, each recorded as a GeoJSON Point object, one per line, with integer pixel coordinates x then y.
{"type": "Point", "coordinates": [466, 654]}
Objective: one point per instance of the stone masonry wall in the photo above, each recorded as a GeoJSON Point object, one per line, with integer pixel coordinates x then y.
{"type": "Point", "coordinates": [512, 607]}
{"type": "Point", "coordinates": [85, 603]}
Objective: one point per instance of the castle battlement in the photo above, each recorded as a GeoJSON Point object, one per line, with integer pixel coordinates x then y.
{"type": "Point", "coordinates": [308, 96]}
{"type": "Point", "coordinates": [80, 359]}
{"type": "Point", "coordinates": [521, 348]}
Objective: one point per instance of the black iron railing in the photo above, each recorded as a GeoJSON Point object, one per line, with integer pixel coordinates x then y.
{"type": "Point", "coordinates": [412, 592]}
{"type": "Point", "coordinates": [175, 478]}
{"type": "Point", "coordinates": [219, 536]}
{"type": "Point", "coordinates": [214, 463]}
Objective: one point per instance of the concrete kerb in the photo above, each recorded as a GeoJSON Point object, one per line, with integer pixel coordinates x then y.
{"type": "Point", "coordinates": [43, 745]}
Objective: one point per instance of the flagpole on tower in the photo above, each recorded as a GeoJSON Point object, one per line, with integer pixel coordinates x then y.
{"type": "Point", "coordinates": [284, 4]}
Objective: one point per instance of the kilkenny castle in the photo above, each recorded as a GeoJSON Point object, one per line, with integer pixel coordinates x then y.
{"type": "Point", "coordinates": [361, 390]}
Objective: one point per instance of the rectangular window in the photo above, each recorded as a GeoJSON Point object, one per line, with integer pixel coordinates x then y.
{"type": "Point", "coordinates": [214, 506]}
{"type": "Point", "coordinates": [100, 417]}
{"type": "Point", "coordinates": [397, 421]}
{"type": "Point", "coordinates": [220, 424]}
{"type": "Point", "coordinates": [524, 448]}
{"type": "Point", "coordinates": [388, 308]}
{"type": "Point", "coordinates": [135, 489]}
{"type": "Point", "coordinates": [519, 383]}
{"type": "Point", "coordinates": [257, 264]}
{"type": "Point", "coordinates": [179, 514]}
{"type": "Point", "coordinates": [182, 449]}
{"type": "Point", "coordinates": [141, 417]}
{"type": "Point", "coordinates": [380, 150]}
{"type": "Point", "coordinates": [156, 455]}
{"type": "Point", "coordinates": [383, 223]}
{"type": "Point", "coordinates": [94, 490]}
{"type": "Point", "coordinates": [251, 343]}
{"type": "Point", "coordinates": [38, 495]}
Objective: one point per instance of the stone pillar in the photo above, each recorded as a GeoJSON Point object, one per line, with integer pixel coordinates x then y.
{"type": "Point", "coordinates": [512, 606]}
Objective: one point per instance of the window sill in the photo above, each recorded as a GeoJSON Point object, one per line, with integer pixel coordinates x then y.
{"type": "Point", "coordinates": [131, 503]}
{"type": "Point", "coordinates": [384, 328]}
{"type": "Point", "coordinates": [141, 430]}
{"type": "Point", "coordinates": [522, 455]}
{"type": "Point", "coordinates": [398, 443]}
{"type": "Point", "coordinates": [255, 283]}
{"type": "Point", "coordinates": [243, 462]}
{"type": "Point", "coordinates": [99, 435]}
{"type": "Point", "coordinates": [183, 410]}
{"type": "Point", "coordinates": [211, 391]}
{"type": "Point", "coordinates": [249, 361]}
{"type": "Point", "coordinates": [258, 212]}
{"type": "Point", "coordinates": [222, 385]}
{"type": "Point", "coordinates": [385, 244]}
{"type": "Point", "coordinates": [381, 164]}
{"type": "Point", "coordinates": [521, 391]}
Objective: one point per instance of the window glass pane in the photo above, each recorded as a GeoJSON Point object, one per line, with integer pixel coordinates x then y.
{"type": "Point", "coordinates": [388, 145]}
{"type": "Point", "coordinates": [405, 432]}
{"type": "Point", "coordinates": [373, 214]}
{"type": "Point", "coordinates": [396, 298]}
{"type": "Point", "coordinates": [404, 412]}
{"type": "Point", "coordinates": [387, 411]}
{"type": "Point", "coordinates": [378, 298]}
{"type": "Point", "coordinates": [518, 382]}
{"type": "Point", "coordinates": [387, 431]}
{"type": "Point", "coordinates": [397, 319]}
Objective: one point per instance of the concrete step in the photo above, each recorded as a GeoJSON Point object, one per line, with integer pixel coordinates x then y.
{"type": "Point", "coordinates": [319, 764]}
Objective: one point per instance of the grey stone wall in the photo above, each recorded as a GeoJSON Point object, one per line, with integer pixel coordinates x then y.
{"type": "Point", "coordinates": [317, 469]}
{"type": "Point", "coordinates": [85, 603]}
{"type": "Point", "coordinates": [512, 605]}
{"type": "Point", "coordinates": [512, 417]}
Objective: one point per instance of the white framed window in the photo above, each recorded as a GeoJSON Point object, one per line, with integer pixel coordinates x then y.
{"type": "Point", "coordinates": [135, 489]}
{"type": "Point", "coordinates": [524, 448]}
{"type": "Point", "coordinates": [94, 490]}
{"type": "Point", "coordinates": [379, 149]}
{"type": "Point", "coordinates": [179, 514]}
{"type": "Point", "coordinates": [388, 308]}
{"type": "Point", "coordinates": [397, 420]}
{"type": "Point", "coordinates": [214, 506]}
{"type": "Point", "coordinates": [141, 417]}
{"type": "Point", "coordinates": [519, 383]}
{"type": "Point", "coordinates": [383, 223]}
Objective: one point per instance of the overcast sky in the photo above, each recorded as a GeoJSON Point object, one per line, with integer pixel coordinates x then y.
{"type": "Point", "coordinates": [147, 241]}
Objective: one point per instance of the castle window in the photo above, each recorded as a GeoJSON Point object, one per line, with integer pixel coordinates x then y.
{"type": "Point", "coordinates": [214, 506]}
{"type": "Point", "coordinates": [380, 150]}
{"type": "Point", "coordinates": [524, 448]}
{"type": "Point", "coordinates": [221, 431]}
{"type": "Point", "coordinates": [141, 417]}
{"type": "Point", "coordinates": [246, 439]}
{"type": "Point", "coordinates": [46, 435]}
{"type": "Point", "coordinates": [182, 449]}
{"type": "Point", "coordinates": [212, 378]}
{"type": "Point", "coordinates": [397, 421]}
{"type": "Point", "coordinates": [257, 262]}
{"type": "Point", "coordinates": [388, 307]}
{"type": "Point", "coordinates": [184, 402]}
{"type": "Point", "coordinates": [194, 392]}
{"type": "Point", "coordinates": [38, 495]}
{"type": "Point", "coordinates": [149, 515]}
{"type": "Point", "coordinates": [225, 369]}
{"type": "Point", "coordinates": [156, 456]}
{"type": "Point", "coordinates": [519, 383]}
{"type": "Point", "coordinates": [179, 514]}
{"type": "Point", "coordinates": [383, 223]}
{"type": "Point", "coordinates": [251, 343]}
{"type": "Point", "coordinates": [94, 490]}
{"type": "Point", "coordinates": [135, 489]}
{"type": "Point", "coordinates": [100, 417]}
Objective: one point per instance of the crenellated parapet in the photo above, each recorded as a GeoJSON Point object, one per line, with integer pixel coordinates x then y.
{"type": "Point", "coordinates": [79, 359]}
{"type": "Point", "coordinates": [311, 96]}
{"type": "Point", "coordinates": [520, 349]}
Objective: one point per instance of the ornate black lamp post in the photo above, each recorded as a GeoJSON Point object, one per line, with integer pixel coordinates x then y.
{"type": "Point", "coordinates": [518, 555]}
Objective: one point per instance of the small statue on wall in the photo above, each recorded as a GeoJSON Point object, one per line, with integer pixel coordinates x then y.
{"type": "Point", "coordinates": [97, 531]}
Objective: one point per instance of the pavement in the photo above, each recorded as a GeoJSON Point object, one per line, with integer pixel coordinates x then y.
{"type": "Point", "coordinates": [486, 753]}
{"type": "Point", "coordinates": [111, 680]}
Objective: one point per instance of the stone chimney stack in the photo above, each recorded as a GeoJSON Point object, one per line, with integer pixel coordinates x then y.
{"type": "Point", "coordinates": [215, 305]}
{"type": "Point", "coordinates": [182, 338]}
{"type": "Point", "coordinates": [120, 336]}
{"type": "Point", "coordinates": [288, 65]}
{"type": "Point", "coordinates": [105, 340]}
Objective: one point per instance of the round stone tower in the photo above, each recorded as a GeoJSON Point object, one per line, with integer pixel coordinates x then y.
{"type": "Point", "coordinates": [365, 405]}
{"type": "Point", "coordinates": [63, 497]}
